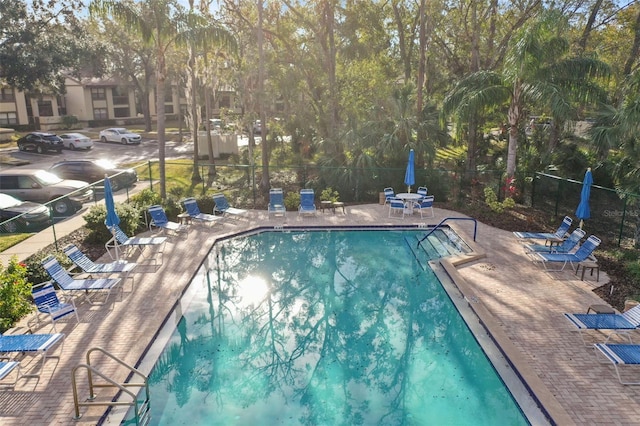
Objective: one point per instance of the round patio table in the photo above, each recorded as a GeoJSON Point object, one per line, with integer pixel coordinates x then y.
{"type": "Point", "coordinates": [409, 198]}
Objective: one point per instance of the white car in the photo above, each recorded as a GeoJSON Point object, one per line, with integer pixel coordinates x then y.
{"type": "Point", "coordinates": [120, 135]}
{"type": "Point", "coordinates": [75, 141]}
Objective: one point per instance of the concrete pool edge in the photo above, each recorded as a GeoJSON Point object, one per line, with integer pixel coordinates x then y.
{"type": "Point", "coordinates": [538, 390]}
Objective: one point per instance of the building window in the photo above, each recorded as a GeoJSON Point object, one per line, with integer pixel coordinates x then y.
{"type": "Point", "coordinates": [120, 96]}
{"type": "Point", "coordinates": [98, 93]}
{"type": "Point", "coordinates": [121, 112]}
{"type": "Point", "coordinates": [225, 101]}
{"type": "Point", "coordinates": [45, 109]}
{"type": "Point", "coordinates": [100, 114]}
{"type": "Point", "coordinates": [8, 118]}
{"type": "Point", "coordinates": [7, 94]}
{"type": "Point", "coordinates": [168, 108]}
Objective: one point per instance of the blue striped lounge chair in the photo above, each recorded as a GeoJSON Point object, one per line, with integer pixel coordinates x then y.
{"type": "Point", "coordinates": [584, 252]}
{"type": "Point", "coordinates": [565, 247]}
{"type": "Point", "coordinates": [6, 367]}
{"type": "Point", "coordinates": [121, 241]}
{"type": "Point", "coordinates": [549, 237]}
{"type": "Point", "coordinates": [616, 323]}
{"type": "Point", "coordinates": [47, 302]}
{"type": "Point", "coordinates": [222, 206]}
{"type": "Point", "coordinates": [620, 355]}
{"type": "Point", "coordinates": [192, 209]}
{"type": "Point", "coordinates": [35, 343]}
{"type": "Point", "coordinates": [88, 266]}
{"type": "Point", "coordinates": [276, 202]}
{"type": "Point", "coordinates": [70, 285]}
{"type": "Point", "coordinates": [307, 202]}
{"type": "Point", "coordinates": [160, 221]}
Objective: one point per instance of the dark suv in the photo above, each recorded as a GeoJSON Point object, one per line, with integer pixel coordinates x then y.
{"type": "Point", "coordinates": [40, 142]}
{"type": "Point", "coordinates": [94, 171]}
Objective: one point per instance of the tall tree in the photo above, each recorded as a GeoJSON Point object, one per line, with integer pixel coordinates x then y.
{"type": "Point", "coordinates": [163, 24]}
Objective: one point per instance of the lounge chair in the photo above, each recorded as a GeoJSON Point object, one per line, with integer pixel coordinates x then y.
{"type": "Point", "coordinates": [89, 267]}
{"type": "Point", "coordinates": [549, 237]}
{"type": "Point", "coordinates": [68, 284]}
{"type": "Point", "coordinates": [583, 253]}
{"type": "Point", "coordinates": [222, 206]}
{"type": "Point", "coordinates": [425, 204]}
{"type": "Point", "coordinates": [396, 205]}
{"type": "Point", "coordinates": [422, 190]}
{"type": "Point", "coordinates": [307, 202]}
{"type": "Point", "coordinates": [276, 203]}
{"type": "Point", "coordinates": [565, 247]}
{"type": "Point", "coordinates": [389, 193]}
{"type": "Point", "coordinates": [47, 302]}
{"type": "Point", "coordinates": [619, 355]}
{"type": "Point", "coordinates": [159, 220]}
{"type": "Point", "coordinates": [617, 323]}
{"type": "Point", "coordinates": [39, 343]}
{"type": "Point", "coordinates": [191, 206]}
{"type": "Point", "coordinates": [6, 367]}
{"type": "Point", "coordinates": [121, 240]}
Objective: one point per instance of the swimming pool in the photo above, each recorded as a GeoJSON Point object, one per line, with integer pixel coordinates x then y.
{"type": "Point", "coordinates": [339, 327]}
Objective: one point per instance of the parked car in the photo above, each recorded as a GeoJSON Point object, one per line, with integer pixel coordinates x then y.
{"type": "Point", "coordinates": [120, 135]}
{"type": "Point", "coordinates": [257, 127]}
{"type": "Point", "coordinates": [27, 216]}
{"type": "Point", "coordinates": [75, 141]}
{"type": "Point", "coordinates": [93, 171]}
{"type": "Point", "coordinates": [41, 186]}
{"type": "Point", "coordinates": [40, 142]}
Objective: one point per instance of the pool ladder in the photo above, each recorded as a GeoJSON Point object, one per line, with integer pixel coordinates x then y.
{"type": "Point", "coordinates": [142, 412]}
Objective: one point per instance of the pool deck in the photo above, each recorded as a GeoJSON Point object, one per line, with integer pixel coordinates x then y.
{"type": "Point", "coordinates": [520, 304]}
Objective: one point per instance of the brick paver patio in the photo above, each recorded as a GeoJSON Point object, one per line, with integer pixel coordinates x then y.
{"type": "Point", "coordinates": [522, 303]}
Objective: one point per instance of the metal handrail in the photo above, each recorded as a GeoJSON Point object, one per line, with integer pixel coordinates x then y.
{"type": "Point", "coordinates": [475, 227]}
{"type": "Point", "coordinates": [121, 386]}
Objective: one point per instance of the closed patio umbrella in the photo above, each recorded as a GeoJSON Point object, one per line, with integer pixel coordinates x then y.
{"type": "Point", "coordinates": [583, 211]}
{"type": "Point", "coordinates": [112, 218]}
{"type": "Point", "coordinates": [410, 175]}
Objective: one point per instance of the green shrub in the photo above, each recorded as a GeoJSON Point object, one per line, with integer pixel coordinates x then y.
{"type": "Point", "coordinates": [328, 194]}
{"type": "Point", "coordinates": [69, 121]}
{"type": "Point", "coordinates": [491, 199]}
{"type": "Point", "coordinates": [15, 293]}
{"type": "Point", "coordinates": [292, 200]}
{"type": "Point", "coordinates": [129, 216]}
{"type": "Point", "coordinates": [145, 198]}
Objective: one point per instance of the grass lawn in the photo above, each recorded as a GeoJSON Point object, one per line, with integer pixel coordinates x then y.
{"type": "Point", "coordinates": [7, 241]}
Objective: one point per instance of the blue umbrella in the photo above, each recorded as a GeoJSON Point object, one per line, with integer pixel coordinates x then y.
{"type": "Point", "coordinates": [410, 175]}
{"type": "Point", "coordinates": [583, 211]}
{"type": "Point", "coordinates": [112, 218]}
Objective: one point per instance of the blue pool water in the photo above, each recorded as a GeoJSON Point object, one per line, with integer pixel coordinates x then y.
{"type": "Point", "coordinates": [324, 328]}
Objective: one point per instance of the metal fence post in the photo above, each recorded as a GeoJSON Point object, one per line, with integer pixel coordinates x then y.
{"type": "Point", "coordinates": [624, 213]}
{"type": "Point", "coordinates": [150, 177]}
{"type": "Point", "coordinates": [558, 196]}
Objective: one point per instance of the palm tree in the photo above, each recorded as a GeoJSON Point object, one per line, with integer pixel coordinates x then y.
{"type": "Point", "coordinates": [537, 72]}
{"type": "Point", "coordinates": [163, 24]}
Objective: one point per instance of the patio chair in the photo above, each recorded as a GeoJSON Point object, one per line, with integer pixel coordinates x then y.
{"type": "Point", "coordinates": [388, 194]}
{"type": "Point", "coordinates": [583, 253]}
{"type": "Point", "coordinates": [38, 343]}
{"type": "Point", "coordinates": [47, 302]}
{"type": "Point", "coordinates": [567, 245]}
{"type": "Point", "coordinates": [120, 240]}
{"type": "Point", "coordinates": [619, 355]}
{"type": "Point", "coordinates": [222, 206]}
{"type": "Point", "coordinates": [425, 204]}
{"type": "Point", "coordinates": [618, 323]}
{"type": "Point", "coordinates": [549, 237]}
{"type": "Point", "coordinates": [69, 284]}
{"type": "Point", "coordinates": [276, 203]}
{"type": "Point", "coordinates": [89, 267]}
{"type": "Point", "coordinates": [307, 202]}
{"type": "Point", "coordinates": [159, 220]}
{"type": "Point", "coordinates": [6, 367]}
{"type": "Point", "coordinates": [396, 205]}
{"type": "Point", "coordinates": [422, 190]}
{"type": "Point", "coordinates": [191, 206]}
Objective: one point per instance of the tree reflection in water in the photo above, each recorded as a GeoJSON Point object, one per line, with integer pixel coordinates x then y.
{"type": "Point", "coordinates": [347, 329]}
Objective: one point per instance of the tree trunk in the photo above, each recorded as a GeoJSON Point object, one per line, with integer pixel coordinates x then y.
{"type": "Point", "coordinates": [421, 63]}
{"type": "Point", "coordinates": [635, 49]}
{"type": "Point", "coordinates": [514, 118]}
{"type": "Point", "coordinates": [195, 174]}
{"type": "Point", "coordinates": [582, 44]}
{"type": "Point", "coordinates": [264, 181]}
{"type": "Point", "coordinates": [160, 81]}
{"type": "Point", "coordinates": [211, 174]}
